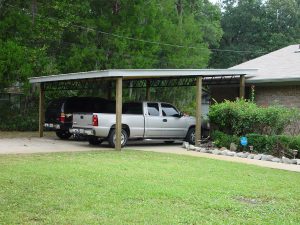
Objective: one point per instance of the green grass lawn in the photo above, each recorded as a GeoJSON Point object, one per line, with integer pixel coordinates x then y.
{"type": "Point", "coordinates": [143, 188]}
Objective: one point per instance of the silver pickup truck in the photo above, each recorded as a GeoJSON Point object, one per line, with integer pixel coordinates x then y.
{"type": "Point", "coordinates": [140, 120]}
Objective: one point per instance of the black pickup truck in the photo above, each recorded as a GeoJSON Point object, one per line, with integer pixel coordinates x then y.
{"type": "Point", "coordinates": [59, 113]}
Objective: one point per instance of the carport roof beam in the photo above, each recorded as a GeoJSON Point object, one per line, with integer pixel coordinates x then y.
{"type": "Point", "coordinates": [132, 74]}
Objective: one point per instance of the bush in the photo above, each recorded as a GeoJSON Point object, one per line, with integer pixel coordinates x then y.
{"type": "Point", "coordinates": [20, 123]}
{"type": "Point", "coordinates": [224, 140]}
{"type": "Point", "coordinates": [243, 117]}
{"type": "Point", "coordinates": [12, 119]}
{"type": "Point", "coordinates": [273, 145]}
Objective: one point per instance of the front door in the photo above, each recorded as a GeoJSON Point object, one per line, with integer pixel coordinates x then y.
{"type": "Point", "coordinates": [174, 125]}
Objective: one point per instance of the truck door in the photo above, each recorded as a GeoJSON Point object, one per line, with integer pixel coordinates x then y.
{"type": "Point", "coordinates": [174, 125]}
{"type": "Point", "coordinates": [153, 121]}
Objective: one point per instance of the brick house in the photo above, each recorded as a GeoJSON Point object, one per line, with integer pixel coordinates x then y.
{"type": "Point", "coordinates": [277, 80]}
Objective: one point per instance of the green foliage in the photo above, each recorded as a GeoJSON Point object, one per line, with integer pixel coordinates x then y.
{"type": "Point", "coordinates": [274, 144]}
{"type": "Point", "coordinates": [263, 143]}
{"type": "Point", "coordinates": [66, 36]}
{"type": "Point", "coordinates": [242, 117]}
{"type": "Point", "coordinates": [12, 119]}
{"type": "Point", "coordinates": [51, 37]}
{"type": "Point", "coordinates": [256, 27]}
{"type": "Point", "coordinates": [221, 139]}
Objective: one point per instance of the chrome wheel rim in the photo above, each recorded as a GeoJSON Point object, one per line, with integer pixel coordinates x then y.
{"type": "Point", "coordinates": [122, 138]}
{"type": "Point", "coordinates": [193, 137]}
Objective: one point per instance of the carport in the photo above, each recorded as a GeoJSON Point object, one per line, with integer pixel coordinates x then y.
{"type": "Point", "coordinates": [140, 78]}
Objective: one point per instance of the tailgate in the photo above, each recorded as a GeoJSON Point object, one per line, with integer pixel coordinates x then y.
{"type": "Point", "coordinates": [82, 120]}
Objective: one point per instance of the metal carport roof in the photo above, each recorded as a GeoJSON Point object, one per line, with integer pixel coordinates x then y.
{"type": "Point", "coordinates": [130, 74]}
{"type": "Point", "coordinates": [192, 76]}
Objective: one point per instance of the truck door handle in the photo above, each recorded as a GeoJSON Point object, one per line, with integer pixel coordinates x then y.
{"type": "Point", "coordinates": [165, 120]}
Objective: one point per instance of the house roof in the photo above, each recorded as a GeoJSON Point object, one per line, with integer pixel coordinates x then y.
{"type": "Point", "coordinates": [130, 74]}
{"type": "Point", "coordinates": [282, 65]}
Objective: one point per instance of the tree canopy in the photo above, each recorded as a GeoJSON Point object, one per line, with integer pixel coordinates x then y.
{"type": "Point", "coordinates": [255, 27]}
{"type": "Point", "coordinates": [41, 37]}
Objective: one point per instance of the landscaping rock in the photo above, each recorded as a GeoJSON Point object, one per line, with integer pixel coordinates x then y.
{"type": "Point", "coordinates": [198, 149]}
{"type": "Point", "coordinates": [223, 149]}
{"type": "Point", "coordinates": [277, 160]}
{"type": "Point", "coordinates": [258, 157]}
{"type": "Point", "coordinates": [216, 152]}
{"type": "Point", "coordinates": [233, 147]}
{"type": "Point", "coordinates": [192, 147]}
{"type": "Point", "coordinates": [224, 152]}
{"type": "Point", "coordinates": [186, 145]}
{"type": "Point", "coordinates": [286, 160]}
{"type": "Point", "coordinates": [250, 156]}
{"type": "Point", "coordinates": [241, 155]}
{"type": "Point", "coordinates": [210, 151]}
{"type": "Point", "coordinates": [267, 158]}
{"type": "Point", "coordinates": [294, 161]}
{"type": "Point", "coordinates": [230, 153]}
{"type": "Point", "coordinates": [203, 150]}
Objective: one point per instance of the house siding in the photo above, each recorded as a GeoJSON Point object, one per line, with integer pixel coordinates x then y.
{"type": "Point", "coordinates": [282, 95]}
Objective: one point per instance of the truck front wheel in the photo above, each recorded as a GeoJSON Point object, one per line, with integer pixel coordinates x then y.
{"type": "Point", "coordinates": [112, 138]}
{"type": "Point", "coordinates": [190, 137]}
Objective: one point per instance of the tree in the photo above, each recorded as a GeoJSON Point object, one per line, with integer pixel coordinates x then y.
{"type": "Point", "coordinates": [255, 27]}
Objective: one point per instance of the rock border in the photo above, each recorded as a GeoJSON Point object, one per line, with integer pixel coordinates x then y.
{"type": "Point", "coordinates": [225, 152]}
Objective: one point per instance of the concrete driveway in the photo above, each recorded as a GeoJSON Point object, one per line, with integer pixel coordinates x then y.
{"type": "Point", "coordinates": [50, 143]}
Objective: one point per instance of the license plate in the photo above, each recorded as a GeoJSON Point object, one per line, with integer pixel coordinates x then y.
{"type": "Point", "coordinates": [49, 125]}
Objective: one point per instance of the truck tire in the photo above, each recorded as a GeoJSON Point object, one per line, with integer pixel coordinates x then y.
{"type": "Point", "coordinates": [190, 137]}
{"type": "Point", "coordinates": [112, 138]}
{"type": "Point", "coordinates": [62, 134]}
{"type": "Point", "coordinates": [94, 140]}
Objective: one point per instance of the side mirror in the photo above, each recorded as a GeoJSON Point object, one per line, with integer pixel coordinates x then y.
{"type": "Point", "coordinates": [180, 114]}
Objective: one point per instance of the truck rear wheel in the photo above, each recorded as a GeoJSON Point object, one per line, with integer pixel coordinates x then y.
{"type": "Point", "coordinates": [112, 138]}
{"type": "Point", "coordinates": [62, 134]}
{"type": "Point", "coordinates": [94, 140]}
{"type": "Point", "coordinates": [190, 137]}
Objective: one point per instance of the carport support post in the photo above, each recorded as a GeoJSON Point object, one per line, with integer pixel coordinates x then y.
{"type": "Point", "coordinates": [198, 110]}
{"type": "Point", "coordinates": [41, 110]}
{"type": "Point", "coordinates": [118, 113]}
{"type": "Point", "coordinates": [242, 86]}
{"type": "Point", "coordinates": [148, 90]}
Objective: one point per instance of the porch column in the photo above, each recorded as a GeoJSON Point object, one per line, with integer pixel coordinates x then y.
{"type": "Point", "coordinates": [242, 86]}
{"type": "Point", "coordinates": [198, 110]}
{"type": "Point", "coordinates": [118, 113]}
{"type": "Point", "coordinates": [41, 109]}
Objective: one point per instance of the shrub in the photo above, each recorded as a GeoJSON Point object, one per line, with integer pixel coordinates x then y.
{"type": "Point", "coordinates": [242, 117]}
{"type": "Point", "coordinates": [12, 119]}
{"type": "Point", "coordinates": [224, 140]}
{"type": "Point", "coordinates": [273, 145]}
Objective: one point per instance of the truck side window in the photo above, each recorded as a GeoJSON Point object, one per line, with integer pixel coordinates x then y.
{"type": "Point", "coordinates": [133, 108]}
{"type": "Point", "coordinates": [169, 110]}
{"type": "Point", "coordinates": [153, 109]}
